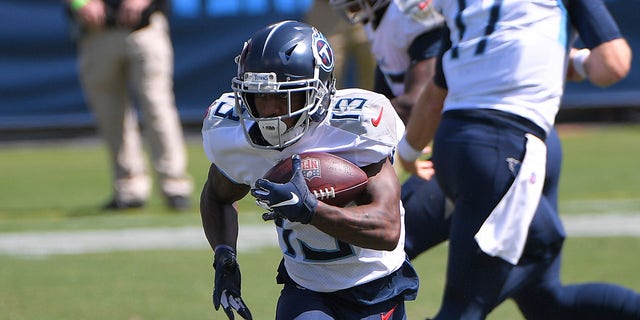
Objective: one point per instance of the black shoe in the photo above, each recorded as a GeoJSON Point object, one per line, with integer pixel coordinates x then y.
{"type": "Point", "coordinates": [115, 204]}
{"type": "Point", "coordinates": [179, 203]}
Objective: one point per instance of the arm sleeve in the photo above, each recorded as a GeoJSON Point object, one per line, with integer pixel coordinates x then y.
{"type": "Point", "coordinates": [438, 76]}
{"type": "Point", "coordinates": [425, 46]}
{"type": "Point", "coordinates": [592, 20]}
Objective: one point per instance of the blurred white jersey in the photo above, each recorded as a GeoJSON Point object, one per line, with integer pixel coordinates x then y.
{"type": "Point", "coordinates": [390, 42]}
{"type": "Point", "coordinates": [362, 127]}
{"type": "Point", "coordinates": [496, 63]}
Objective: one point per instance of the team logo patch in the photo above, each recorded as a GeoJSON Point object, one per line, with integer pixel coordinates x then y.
{"type": "Point", "coordinates": [322, 52]}
{"type": "Point", "coordinates": [310, 168]}
{"type": "Point", "coordinates": [513, 165]}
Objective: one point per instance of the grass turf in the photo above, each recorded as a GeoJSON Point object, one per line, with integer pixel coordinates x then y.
{"type": "Point", "coordinates": [170, 284]}
{"type": "Point", "coordinates": [61, 187]}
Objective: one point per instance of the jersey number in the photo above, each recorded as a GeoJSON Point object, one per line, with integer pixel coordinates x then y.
{"type": "Point", "coordinates": [225, 110]}
{"type": "Point", "coordinates": [342, 250]}
{"type": "Point", "coordinates": [348, 109]}
{"type": "Point", "coordinates": [488, 30]}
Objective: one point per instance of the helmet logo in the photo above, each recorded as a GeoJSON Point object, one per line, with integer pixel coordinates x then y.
{"type": "Point", "coordinates": [322, 52]}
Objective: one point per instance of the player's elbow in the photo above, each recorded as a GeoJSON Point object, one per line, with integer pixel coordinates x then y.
{"type": "Point", "coordinates": [609, 75]}
{"type": "Point", "coordinates": [611, 63]}
{"type": "Point", "coordinates": [391, 242]}
{"type": "Point", "coordinates": [389, 235]}
{"type": "Point", "coordinates": [387, 241]}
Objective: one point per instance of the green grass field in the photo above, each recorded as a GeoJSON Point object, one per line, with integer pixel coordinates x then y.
{"type": "Point", "coordinates": [61, 187]}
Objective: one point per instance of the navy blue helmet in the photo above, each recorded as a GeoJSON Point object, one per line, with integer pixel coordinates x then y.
{"type": "Point", "coordinates": [284, 58]}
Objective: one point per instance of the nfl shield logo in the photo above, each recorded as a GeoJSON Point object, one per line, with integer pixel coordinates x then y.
{"type": "Point", "coordinates": [310, 168]}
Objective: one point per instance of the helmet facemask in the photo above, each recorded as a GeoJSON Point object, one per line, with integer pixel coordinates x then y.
{"type": "Point", "coordinates": [274, 129]}
{"type": "Point", "coordinates": [294, 61]}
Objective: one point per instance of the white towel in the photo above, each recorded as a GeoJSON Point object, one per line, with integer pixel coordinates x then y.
{"type": "Point", "coordinates": [504, 233]}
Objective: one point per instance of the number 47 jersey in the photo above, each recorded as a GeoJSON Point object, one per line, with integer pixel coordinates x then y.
{"type": "Point", "coordinates": [362, 127]}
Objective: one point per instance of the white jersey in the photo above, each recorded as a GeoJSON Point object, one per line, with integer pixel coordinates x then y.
{"type": "Point", "coordinates": [362, 127]}
{"type": "Point", "coordinates": [515, 62]}
{"type": "Point", "coordinates": [390, 42]}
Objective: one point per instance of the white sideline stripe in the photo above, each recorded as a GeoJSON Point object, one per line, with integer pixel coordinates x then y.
{"type": "Point", "coordinates": [250, 237]}
{"type": "Point", "coordinates": [95, 241]}
{"type": "Point", "coordinates": [607, 225]}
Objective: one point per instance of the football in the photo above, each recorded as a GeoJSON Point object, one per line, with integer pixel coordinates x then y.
{"type": "Point", "coordinates": [332, 179]}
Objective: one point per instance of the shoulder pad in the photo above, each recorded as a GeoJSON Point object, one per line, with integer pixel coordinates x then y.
{"type": "Point", "coordinates": [367, 114]}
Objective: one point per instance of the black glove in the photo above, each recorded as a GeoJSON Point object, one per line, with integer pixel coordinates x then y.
{"type": "Point", "coordinates": [226, 288]}
{"type": "Point", "coordinates": [291, 200]}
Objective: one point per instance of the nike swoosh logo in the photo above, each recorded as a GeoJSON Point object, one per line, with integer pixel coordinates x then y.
{"type": "Point", "coordinates": [294, 199]}
{"type": "Point", "coordinates": [375, 122]}
{"type": "Point", "coordinates": [389, 314]}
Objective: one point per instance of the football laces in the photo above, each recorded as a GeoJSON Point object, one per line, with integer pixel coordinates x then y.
{"type": "Point", "coordinates": [325, 194]}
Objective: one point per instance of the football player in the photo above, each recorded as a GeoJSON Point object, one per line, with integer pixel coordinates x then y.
{"type": "Point", "coordinates": [490, 108]}
{"type": "Point", "coordinates": [405, 48]}
{"type": "Point", "coordinates": [413, 56]}
{"type": "Point", "coordinates": [338, 262]}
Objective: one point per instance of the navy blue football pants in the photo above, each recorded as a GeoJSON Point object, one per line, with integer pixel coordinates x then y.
{"type": "Point", "coordinates": [427, 221]}
{"type": "Point", "coordinates": [382, 298]}
{"type": "Point", "coordinates": [476, 282]}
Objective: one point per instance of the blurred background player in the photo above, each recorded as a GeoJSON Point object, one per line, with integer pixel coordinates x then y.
{"type": "Point", "coordinates": [338, 263]}
{"type": "Point", "coordinates": [405, 48]}
{"type": "Point", "coordinates": [349, 42]}
{"type": "Point", "coordinates": [428, 211]}
{"type": "Point", "coordinates": [125, 53]}
{"type": "Point", "coordinates": [506, 236]}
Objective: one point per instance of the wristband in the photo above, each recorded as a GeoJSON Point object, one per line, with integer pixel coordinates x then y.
{"type": "Point", "coordinates": [78, 4]}
{"type": "Point", "coordinates": [578, 61]}
{"type": "Point", "coordinates": [406, 151]}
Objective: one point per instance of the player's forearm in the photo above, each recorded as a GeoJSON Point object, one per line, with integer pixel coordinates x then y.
{"type": "Point", "coordinates": [367, 226]}
{"type": "Point", "coordinates": [403, 104]}
{"type": "Point", "coordinates": [219, 221]}
{"type": "Point", "coordinates": [416, 76]}
{"type": "Point", "coordinates": [608, 63]}
{"type": "Point", "coordinates": [609, 58]}
{"type": "Point", "coordinates": [425, 117]}
{"type": "Point", "coordinates": [375, 223]}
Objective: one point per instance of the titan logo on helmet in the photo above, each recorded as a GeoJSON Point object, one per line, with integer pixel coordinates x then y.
{"type": "Point", "coordinates": [322, 51]}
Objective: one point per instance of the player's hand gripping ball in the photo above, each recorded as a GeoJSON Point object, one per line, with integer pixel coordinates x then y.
{"type": "Point", "coordinates": [332, 179]}
{"type": "Point", "coordinates": [307, 178]}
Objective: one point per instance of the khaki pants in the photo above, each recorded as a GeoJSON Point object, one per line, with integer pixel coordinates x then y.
{"type": "Point", "coordinates": [116, 67]}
